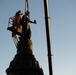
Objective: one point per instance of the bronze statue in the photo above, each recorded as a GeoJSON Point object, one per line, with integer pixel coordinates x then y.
{"type": "Point", "coordinates": [26, 31]}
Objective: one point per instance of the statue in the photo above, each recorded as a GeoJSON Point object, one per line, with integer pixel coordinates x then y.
{"type": "Point", "coordinates": [25, 35]}
{"type": "Point", "coordinates": [26, 31]}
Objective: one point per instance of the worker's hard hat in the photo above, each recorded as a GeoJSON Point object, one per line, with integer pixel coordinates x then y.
{"type": "Point", "coordinates": [19, 12]}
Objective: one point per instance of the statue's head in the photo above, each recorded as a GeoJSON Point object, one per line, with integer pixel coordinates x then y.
{"type": "Point", "coordinates": [27, 12]}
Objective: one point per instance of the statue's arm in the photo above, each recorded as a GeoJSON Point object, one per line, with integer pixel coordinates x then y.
{"type": "Point", "coordinates": [31, 21]}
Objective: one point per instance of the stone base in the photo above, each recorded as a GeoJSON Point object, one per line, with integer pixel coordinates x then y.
{"type": "Point", "coordinates": [24, 65]}
{"type": "Point", "coordinates": [24, 62]}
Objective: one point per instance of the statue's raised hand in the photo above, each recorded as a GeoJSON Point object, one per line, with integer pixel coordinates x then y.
{"type": "Point", "coordinates": [35, 21]}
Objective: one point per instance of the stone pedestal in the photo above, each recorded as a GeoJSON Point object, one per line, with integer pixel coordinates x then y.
{"type": "Point", "coordinates": [24, 62]}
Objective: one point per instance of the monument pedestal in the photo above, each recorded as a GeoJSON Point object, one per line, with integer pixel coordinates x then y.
{"type": "Point", "coordinates": [24, 62]}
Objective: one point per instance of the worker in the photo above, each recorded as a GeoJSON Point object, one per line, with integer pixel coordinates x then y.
{"type": "Point", "coordinates": [16, 20]}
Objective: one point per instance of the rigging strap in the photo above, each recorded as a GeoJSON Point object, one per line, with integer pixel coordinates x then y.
{"type": "Point", "coordinates": [27, 7]}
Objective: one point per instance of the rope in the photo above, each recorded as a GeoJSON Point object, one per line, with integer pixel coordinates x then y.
{"type": "Point", "coordinates": [27, 7]}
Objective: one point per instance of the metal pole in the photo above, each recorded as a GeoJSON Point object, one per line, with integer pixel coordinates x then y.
{"type": "Point", "coordinates": [47, 24]}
